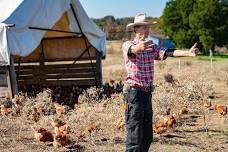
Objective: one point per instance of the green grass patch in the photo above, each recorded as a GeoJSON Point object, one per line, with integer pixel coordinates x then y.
{"type": "Point", "coordinates": [206, 58]}
{"type": "Point", "coordinates": [224, 56]}
{"type": "Point", "coordinates": [216, 57]}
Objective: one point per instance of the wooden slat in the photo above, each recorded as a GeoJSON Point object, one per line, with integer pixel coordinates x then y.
{"type": "Point", "coordinates": [83, 68]}
{"type": "Point", "coordinates": [3, 68]}
{"type": "Point", "coordinates": [55, 66]}
{"type": "Point", "coordinates": [59, 82]}
{"type": "Point", "coordinates": [55, 71]}
{"type": "Point", "coordinates": [56, 76]}
{"type": "Point", "coordinates": [3, 80]}
{"type": "Point", "coordinates": [4, 92]}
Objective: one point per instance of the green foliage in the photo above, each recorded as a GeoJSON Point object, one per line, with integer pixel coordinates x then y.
{"type": "Point", "coordinates": [175, 22]}
{"type": "Point", "coordinates": [202, 21]}
{"type": "Point", "coordinates": [170, 18]}
{"type": "Point", "coordinates": [222, 28]}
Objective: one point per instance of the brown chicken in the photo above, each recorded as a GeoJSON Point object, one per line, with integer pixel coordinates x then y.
{"type": "Point", "coordinates": [62, 130]}
{"type": "Point", "coordinates": [169, 120]}
{"type": "Point", "coordinates": [159, 130]}
{"type": "Point", "coordinates": [42, 135]}
{"type": "Point", "coordinates": [184, 110]}
{"type": "Point", "coordinates": [221, 109]}
{"type": "Point", "coordinates": [16, 110]}
{"type": "Point", "coordinates": [16, 107]}
{"type": "Point", "coordinates": [57, 123]}
{"type": "Point", "coordinates": [60, 127]}
{"type": "Point", "coordinates": [120, 123]}
{"type": "Point", "coordinates": [90, 128]}
{"type": "Point", "coordinates": [161, 126]}
{"type": "Point", "coordinates": [35, 114]}
{"type": "Point", "coordinates": [17, 104]}
{"type": "Point", "coordinates": [4, 110]}
{"type": "Point", "coordinates": [59, 109]}
{"type": "Point", "coordinates": [61, 141]}
{"type": "Point", "coordinates": [16, 100]}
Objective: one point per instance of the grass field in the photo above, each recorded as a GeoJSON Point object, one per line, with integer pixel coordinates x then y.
{"type": "Point", "coordinates": [201, 130]}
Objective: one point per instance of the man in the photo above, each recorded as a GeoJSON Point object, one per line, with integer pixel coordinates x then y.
{"type": "Point", "coordinates": [139, 56]}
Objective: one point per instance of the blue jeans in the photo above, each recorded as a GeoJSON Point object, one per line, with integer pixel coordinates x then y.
{"type": "Point", "coordinates": [138, 118]}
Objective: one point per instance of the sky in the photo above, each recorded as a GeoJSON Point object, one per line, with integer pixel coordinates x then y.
{"type": "Point", "coordinates": [123, 8]}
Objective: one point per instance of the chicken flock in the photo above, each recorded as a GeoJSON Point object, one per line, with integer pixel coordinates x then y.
{"type": "Point", "coordinates": [60, 136]}
{"type": "Point", "coordinates": [169, 120]}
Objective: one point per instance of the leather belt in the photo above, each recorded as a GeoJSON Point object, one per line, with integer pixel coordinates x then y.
{"type": "Point", "coordinates": [146, 89]}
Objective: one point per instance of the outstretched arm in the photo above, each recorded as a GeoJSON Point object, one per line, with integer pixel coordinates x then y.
{"type": "Point", "coordinates": [180, 53]}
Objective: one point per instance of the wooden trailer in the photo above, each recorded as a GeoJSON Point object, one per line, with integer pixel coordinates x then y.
{"type": "Point", "coordinates": [63, 58]}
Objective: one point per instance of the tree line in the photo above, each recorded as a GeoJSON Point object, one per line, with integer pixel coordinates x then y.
{"type": "Point", "coordinates": [115, 28]}
{"type": "Point", "coordinates": [184, 21]}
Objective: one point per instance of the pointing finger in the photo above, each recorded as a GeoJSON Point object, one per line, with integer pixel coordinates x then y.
{"type": "Point", "coordinates": [150, 45]}
{"type": "Point", "coordinates": [194, 46]}
{"type": "Point", "coordinates": [148, 42]}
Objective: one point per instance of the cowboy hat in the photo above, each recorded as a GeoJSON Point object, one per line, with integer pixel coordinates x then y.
{"type": "Point", "coordinates": [140, 19]}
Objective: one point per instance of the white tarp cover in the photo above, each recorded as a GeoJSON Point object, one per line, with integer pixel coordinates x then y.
{"type": "Point", "coordinates": [20, 40]}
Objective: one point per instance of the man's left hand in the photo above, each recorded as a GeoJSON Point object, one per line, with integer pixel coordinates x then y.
{"type": "Point", "coordinates": [194, 50]}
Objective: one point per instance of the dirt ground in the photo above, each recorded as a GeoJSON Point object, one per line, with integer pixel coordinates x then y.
{"type": "Point", "coordinates": [198, 131]}
{"type": "Point", "coordinates": [191, 137]}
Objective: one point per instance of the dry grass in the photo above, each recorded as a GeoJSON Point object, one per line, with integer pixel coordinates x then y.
{"type": "Point", "coordinates": [17, 134]}
{"type": "Point", "coordinates": [176, 85]}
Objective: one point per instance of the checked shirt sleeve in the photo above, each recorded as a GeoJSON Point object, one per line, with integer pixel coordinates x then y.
{"type": "Point", "coordinates": [125, 47]}
{"type": "Point", "coordinates": [160, 52]}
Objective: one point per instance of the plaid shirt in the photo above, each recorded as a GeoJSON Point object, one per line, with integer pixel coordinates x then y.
{"type": "Point", "coordinates": [140, 66]}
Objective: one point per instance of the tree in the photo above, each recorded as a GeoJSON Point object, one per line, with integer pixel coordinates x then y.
{"type": "Point", "coordinates": [222, 28]}
{"type": "Point", "coordinates": [175, 22]}
{"type": "Point", "coordinates": [202, 21]}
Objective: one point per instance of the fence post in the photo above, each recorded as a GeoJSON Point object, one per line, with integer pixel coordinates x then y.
{"type": "Point", "coordinates": [211, 59]}
{"type": "Point", "coordinates": [179, 65]}
{"type": "Point", "coordinates": [98, 68]}
{"type": "Point", "coordinates": [11, 79]}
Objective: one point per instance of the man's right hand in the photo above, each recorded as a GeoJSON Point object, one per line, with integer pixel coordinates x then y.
{"type": "Point", "coordinates": [143, 45]}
